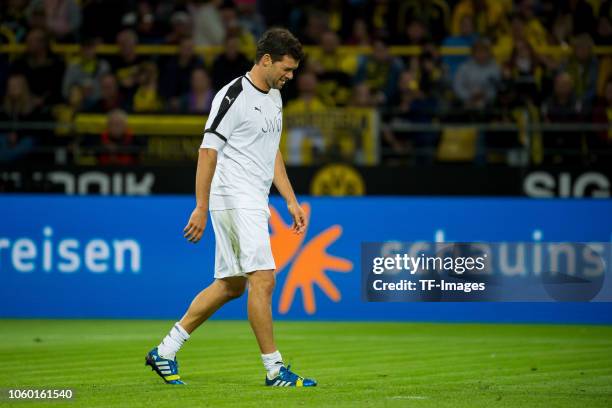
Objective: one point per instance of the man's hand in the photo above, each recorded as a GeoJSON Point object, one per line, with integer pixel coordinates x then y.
{"type": "Point", "coordinates": [196, 225]}
{"type": "Point", "coordinates": [300, 222]}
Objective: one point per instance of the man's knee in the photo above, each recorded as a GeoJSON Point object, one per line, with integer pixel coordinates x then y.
{"type": "Point", "coordinates": [234, 292]}
{"type": "Point", "coordinates": [233, 289]}
{"type": "Point", "coordinates": [263, 281]}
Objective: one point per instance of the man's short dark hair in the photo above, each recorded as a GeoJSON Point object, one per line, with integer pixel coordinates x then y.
{"type": "Point", "coordinates": [279, 42]}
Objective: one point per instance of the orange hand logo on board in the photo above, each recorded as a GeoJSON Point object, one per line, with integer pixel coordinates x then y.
{"type": "Point", "coordinates": [310, 264]}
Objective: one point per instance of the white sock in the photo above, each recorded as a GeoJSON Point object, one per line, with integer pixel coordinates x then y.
{"type": "Point", "coordinates": [173, 342]}
{"type": "Point", "coordinates": [272, 363]}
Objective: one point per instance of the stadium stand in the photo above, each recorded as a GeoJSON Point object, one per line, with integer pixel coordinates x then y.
{"type": "Point", "coordinates": [512, 83]}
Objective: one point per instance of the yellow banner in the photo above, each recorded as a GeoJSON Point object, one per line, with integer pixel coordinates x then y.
{"type": "Point", "coordinates": [340, 134]}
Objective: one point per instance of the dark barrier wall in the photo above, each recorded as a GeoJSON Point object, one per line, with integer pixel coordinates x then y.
{"type": "Point", "coordinates": [333, 179]}
{"type": "Point", "coordinates": [125, 257]}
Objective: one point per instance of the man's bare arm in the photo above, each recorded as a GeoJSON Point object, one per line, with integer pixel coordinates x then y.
{"type": "Point", "coordinates": [283, 185]}
{"type": "Point", "coordinates": [207, 162]}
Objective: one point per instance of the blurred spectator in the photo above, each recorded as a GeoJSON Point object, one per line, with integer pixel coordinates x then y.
{"type": "Point", "coordinates": [562, 107]}
{"type": "Point", "coordinates": [602, 114]}
{"type": "Point", "coordinates": [176, 70]}
{"type": "Point", "coordinates": [63, 18]}
{"type": "Point", "coordinates": [37, 18]}
{"type": "Point", "coordinates": [102, 19]}
{"type": "Point", "coordinates": [307, 100]}
{"type": "Point", "coordinates": [605, 10]}
{"type": "Point", "coordinates": [164, 9]}
{"type": "Point", "coordinates": [181, 28]}
{"type": "Point", "coordinates": [465, 38]}
{"type": "Point", "coordinates": [328, 56]}
{"type": "Point", "coordinates": [583, 68]}
{"type": "Point", "coordinates": [126, 64]}
{"type": "Point", "coordinates": [562, 29]}
{"type": "Point", "coordinates": [510, 109]}
{"type": "Point", "coordinates": [307, 139]}
{"type": "Point", "coordinates": [520, 29]}
{"type": "Point", "coordinates": [362, 97]}
{"type": "Point", "coordinates": [76, 98]}
{"type": "Point", "coordinates": [64, 115]}
{"type": "Point", "coordinates": [431, 71]}
{"type": "Point", "coordinates": [360, 34]}
{"type": "Point", "coordinates": [381, 16]}
{"type": "Point", "coordinates": [532, 29]}
{"type": "Point", "coordinates": [415, 33]}
{"type": "Point", "coordinates": [434, 15]}
{"type": "Point", "coordinates": [208, 26]}
{"type": "Point", "coordinates": [198, 99]}
{"type": "Point", "coordinates": [581, 12]}
{"type": "Point", "coordinates": [14, 18]}
{"type": "Point", "coordinates": [410, 105]}
{"type": "Point", "coordinates": [4, 64]}
{"type": "Point", "coordinates": [43, 70]}
{"type": "Point", "coordinates": [380, 71]}
{"type": "Point", "coordinates": [476, 80]}
{"type": "Point", "coordinates": [339, 15]}
{"type": "Point", "coordinates": [18, 102]}
{"type": "Point", "coordinates": [547, 12]}
{"type": "Point", "coordinates": [148, 28]}
{"type": "Point", "coordinates": [603, 35]}
{"type": "Point", "coordinates": [488, 16]}
{"type": "Point", "coordinates": [18, 108]}
{"type": "Point", "coordinates": [524, 72]}
{"type": "Point", "coordinates": [229, 16]}
{"type": "Point", "coordinates": [605, 72]}
{"type": "Point", "coordinates": [118, 145]}
{"type": "Point", "coordinates": [85, 70]}
{"type": "Point", "coordinates": [316, 23]}
{"type": "Point", "coordinates": [75, 103]}
{"type": "Point", "coordinates": [110, 96]}
{"type": "Point", "coordinates": [249, 18]}
{"type": "Point", "coordinates": [230, 64]}
{"type": "Point", "coordinates": [334, 70]}
{"type": "Point", "coordinates": [147, 97]}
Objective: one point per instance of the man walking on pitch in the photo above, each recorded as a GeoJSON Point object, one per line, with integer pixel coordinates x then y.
{"type": "Point", "coordinates": [238, 161]}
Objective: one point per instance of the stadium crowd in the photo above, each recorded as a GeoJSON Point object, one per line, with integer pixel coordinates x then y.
{"type": "Point", "coordinates": [508, 73]}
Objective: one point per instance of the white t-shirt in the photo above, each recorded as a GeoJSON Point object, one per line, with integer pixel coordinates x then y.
{"type": "Point", "coordinates": [244, 127]}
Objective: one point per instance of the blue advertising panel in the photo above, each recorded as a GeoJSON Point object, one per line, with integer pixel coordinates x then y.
{"type": "Point", "coordinates": [125, 257]}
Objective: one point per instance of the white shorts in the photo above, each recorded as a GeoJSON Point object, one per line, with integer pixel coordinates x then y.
{"type": "Point", "coordinates": [242, 242]}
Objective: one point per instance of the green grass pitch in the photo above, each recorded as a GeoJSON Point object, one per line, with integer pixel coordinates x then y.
{"type": "Point", "coordinates": [356, 364]}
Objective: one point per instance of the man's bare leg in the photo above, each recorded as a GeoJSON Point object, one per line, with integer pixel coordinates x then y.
{"type": "Point", "coordinates": [261, 287]}
{"type": "Point", "coordinates": [162, 359]}
{"type": "Point", "coordinates": [202, 307]}
{"type": "Point", "coordinates": [208, 301]}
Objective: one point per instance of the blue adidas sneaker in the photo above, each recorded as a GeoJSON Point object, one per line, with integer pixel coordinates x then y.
{"type": "Point", "coordinates": [287, 378]}
{"type": "Point", "coordinates": [166, 369]}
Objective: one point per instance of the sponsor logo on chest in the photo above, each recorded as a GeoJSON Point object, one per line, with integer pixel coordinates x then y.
{"type": "Point", "coordinates": [270, 117]}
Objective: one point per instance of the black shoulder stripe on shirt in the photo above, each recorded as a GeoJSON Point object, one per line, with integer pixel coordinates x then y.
{"type": "Point", "coordinates": [228, 100]}
{"type": "Point", "coordinates": [216, 133]}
